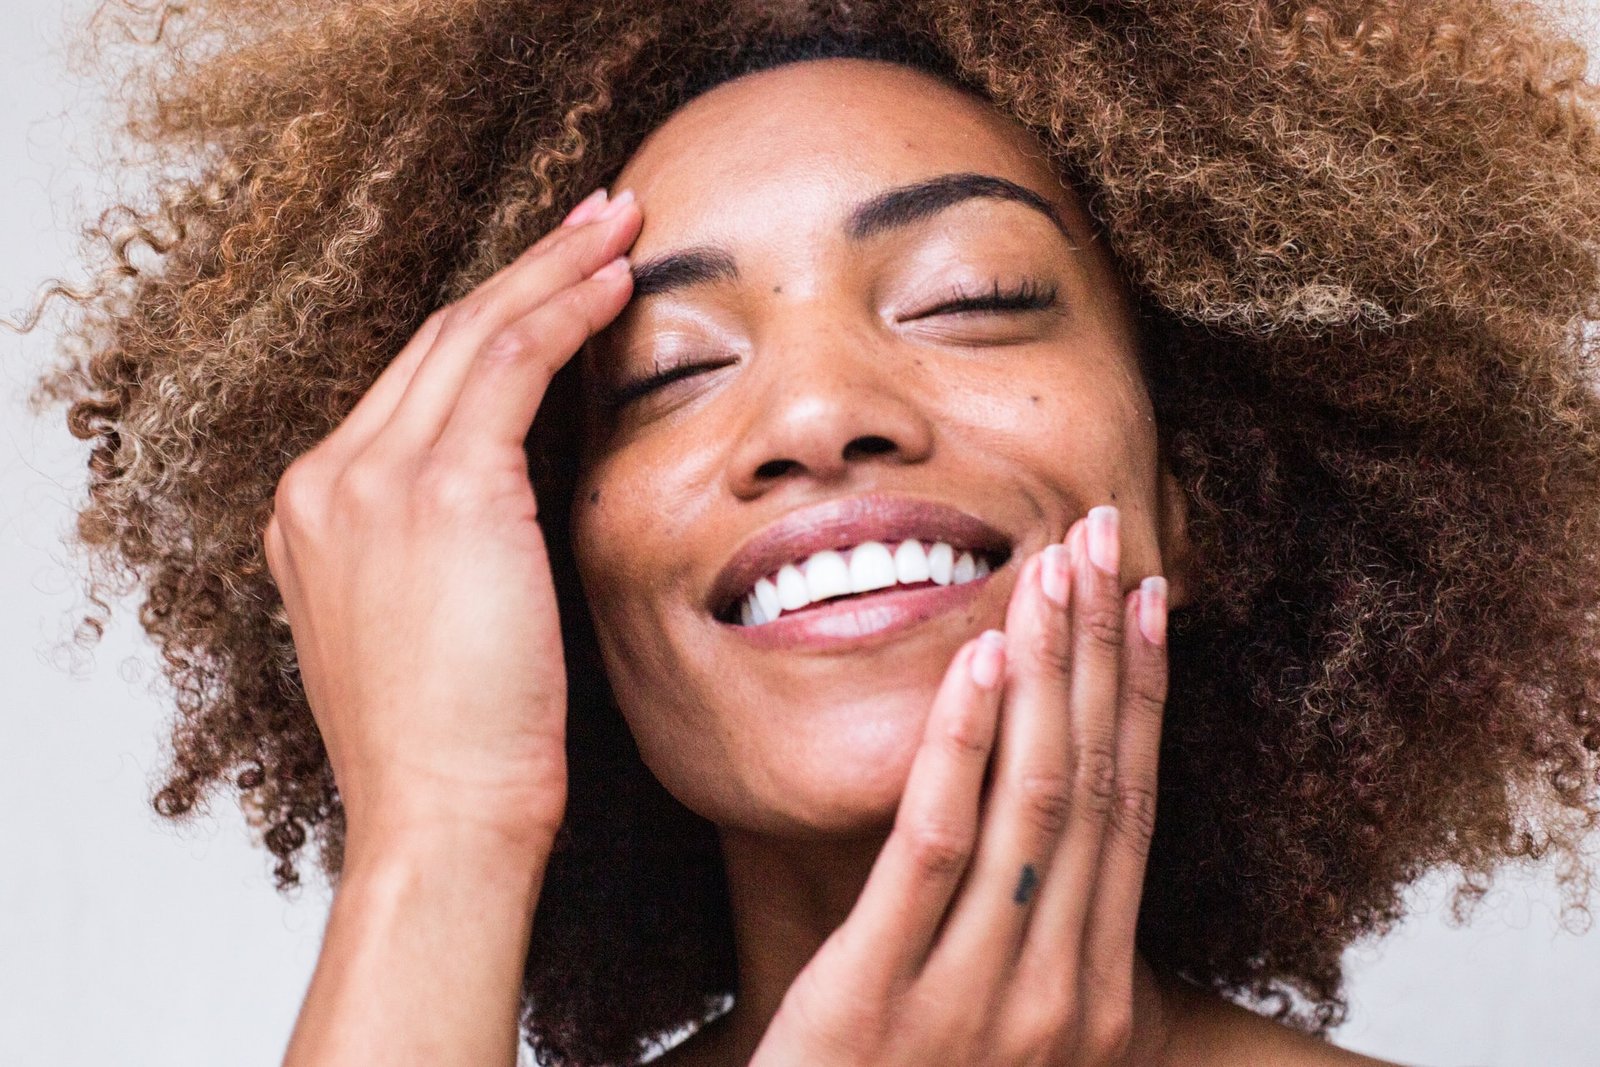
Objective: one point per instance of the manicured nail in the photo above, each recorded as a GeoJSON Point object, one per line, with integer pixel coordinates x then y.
{"type": "Point", "coordinates": [989, 658]}
{"type": "Point", "coordinates": [1153, 609]}
{"type": "Point", "coordinates": [585, 208]}
{"type": "Point", "coordinates": [1103, 537]}
{"type": "Point", "coordinates": [1053, 574]}
{"type": "Point", "coordinates": [615, 269]}
{"type": "Point", "coordinates": [618, 202]}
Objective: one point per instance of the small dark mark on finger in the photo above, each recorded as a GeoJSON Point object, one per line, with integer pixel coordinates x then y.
{"type": "Point", "coordinates": [1026, 884]}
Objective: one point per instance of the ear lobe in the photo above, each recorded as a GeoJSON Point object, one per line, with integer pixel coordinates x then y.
{"type": "Point", "coordinates": [1177, 552]}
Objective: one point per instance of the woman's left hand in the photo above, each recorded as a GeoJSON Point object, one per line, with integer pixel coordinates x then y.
{"type": "Point", "coordinates": [1014, 945]}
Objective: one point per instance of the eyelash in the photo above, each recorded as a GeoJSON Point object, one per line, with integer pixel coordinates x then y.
{"type": "Point", "coordinates": [1031, 295]}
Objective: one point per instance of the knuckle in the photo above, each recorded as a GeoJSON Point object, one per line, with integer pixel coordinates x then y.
{"type": "Point", "coordinates": [298, 494]}
{"type": "Point", "coordinates": [1101, 626]}
{"type": "Point", "coordinates": [1135, 813]}
{"type": "Point", "coordinates": [937, 849]}
{"type": "Point", "coordinates": [1052, 654]}
{"type": "Point", "coordinates": [1097, 778]}
{"type": "Point", "coordinates": [965, 739]}
{"type": "Point", "coordinates": [444, 489]}
{"type": "Point", "coordinates": [1046, 799]}
{"type": "Point", "coordinates": [272, 546]}
{"type": "Point", "coordinates": [1108, 1034]}
{"type": "Point", "coordinates": [363, 485]}
{"type": "Point", "coordinates": [1051, 1032]}
{"type": "Point", "coordinates": [580, 313]}
{"type": "Point", "coordinates": [466, 313]}
{"type": "Point", "coordinates": [1147, 691]}
{"type": "Point", "coordinates": [507, 344]}
{"type": "Point", "coordinates": [437, 318]}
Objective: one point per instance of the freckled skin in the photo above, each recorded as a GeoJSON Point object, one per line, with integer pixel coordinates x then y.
{"type": "Point", "coordinates": [800, 758]}
{"type": "Point", "coordinates": [795, 744]}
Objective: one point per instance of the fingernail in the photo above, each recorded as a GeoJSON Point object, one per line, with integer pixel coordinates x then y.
{"type": "Point", "coordinates": [585, 208]}
{"type": "Point", "coordinates": [1103, 537]}
{"type": "Point", "coordinates": [1153, 609]}
{"type": "Point", "coordinates": [618, 202]}
{"type": "Point", "coordinates": [615, 269]}
{"type": "Point", "coordinates": [989, 658]}
{"type": "Point", "coordinates": [1053, 574]}
{"type": "Point", "coordinates": [1075, 547]}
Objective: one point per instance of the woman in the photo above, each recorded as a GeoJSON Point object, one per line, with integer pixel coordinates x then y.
{"type": "Point", "coordinates": [1045, 314]}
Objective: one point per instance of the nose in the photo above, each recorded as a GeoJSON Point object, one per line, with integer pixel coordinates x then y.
{"type": "Point", "coordinates": [823, 409]}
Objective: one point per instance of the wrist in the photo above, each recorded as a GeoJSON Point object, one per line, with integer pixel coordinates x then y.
{"type": "Point", "coordinates": [509, 854]}
{"type": "Point", "coordinates": [472, 818]}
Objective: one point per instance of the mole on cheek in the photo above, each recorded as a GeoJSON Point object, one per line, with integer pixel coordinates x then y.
{"type": "Point", "coordinates": [594, 497]}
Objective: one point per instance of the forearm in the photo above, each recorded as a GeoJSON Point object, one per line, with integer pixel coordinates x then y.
{"type": "Point", "coordinates": [423, 954]}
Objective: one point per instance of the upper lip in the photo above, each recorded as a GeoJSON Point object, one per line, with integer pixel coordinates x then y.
{"type": "Point", "coordinates": [842, 523]}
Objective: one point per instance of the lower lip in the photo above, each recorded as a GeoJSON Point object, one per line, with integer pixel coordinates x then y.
{"type": "Point", "coordinates": [860, 620]}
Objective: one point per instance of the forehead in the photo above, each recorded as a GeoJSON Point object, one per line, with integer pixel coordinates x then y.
{"type": "Point", "coordinates": [812, 133]}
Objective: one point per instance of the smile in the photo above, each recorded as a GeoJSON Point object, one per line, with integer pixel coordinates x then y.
{"type": "Point", "coordinates": [862, 620]}
{"type": "Point", "coordinates": [835, 574]}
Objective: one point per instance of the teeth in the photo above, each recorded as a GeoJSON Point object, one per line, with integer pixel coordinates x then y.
{"type": "Point", "coordinates": [870, 565]}
{"type": "Point", "coordinates": [792, 592]}
{"type": "Point", "coordinates": [827, 575]}
{"type": "Point", "coordinates": [911, 562]}
{"type": "Point", "coordinates": [767, 600]}
{"type": "Point", "coordinates": [963, 569]}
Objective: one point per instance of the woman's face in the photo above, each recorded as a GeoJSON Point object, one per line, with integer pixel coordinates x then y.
{"type": "Point", "coordinates": [805, 229]}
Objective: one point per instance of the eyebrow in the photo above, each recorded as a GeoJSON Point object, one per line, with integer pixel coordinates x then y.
{"type": "Point", "coordinates": [891, 209]}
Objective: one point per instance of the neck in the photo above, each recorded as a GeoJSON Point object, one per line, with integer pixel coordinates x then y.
{"type": "Point", "coordinates": [786, 897]}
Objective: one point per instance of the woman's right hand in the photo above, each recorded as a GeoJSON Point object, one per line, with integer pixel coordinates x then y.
{"type": "Point", "coordinates": [412, 568]}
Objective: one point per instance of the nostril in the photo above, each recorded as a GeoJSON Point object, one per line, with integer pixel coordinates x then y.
{"type": "Point", "coordinates": [774, 468]}
{"type": "Point", "coordinates": [868, 446]}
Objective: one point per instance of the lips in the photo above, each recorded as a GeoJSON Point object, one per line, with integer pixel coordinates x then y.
{"type": "Point", "coordinates": [840, 524]}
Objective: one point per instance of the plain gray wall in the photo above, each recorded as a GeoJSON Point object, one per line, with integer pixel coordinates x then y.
{"type": "Point", "coordinates": [125, 940]}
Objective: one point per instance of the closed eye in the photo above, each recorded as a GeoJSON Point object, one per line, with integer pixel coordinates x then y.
{"type": "Point", "coordinates": [630, 391]}
{"type": "Point", "coordinates": [1031, 295]}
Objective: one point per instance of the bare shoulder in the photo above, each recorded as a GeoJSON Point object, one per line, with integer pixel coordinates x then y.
{"type": "Point", "coordinates": [1211, 1030]}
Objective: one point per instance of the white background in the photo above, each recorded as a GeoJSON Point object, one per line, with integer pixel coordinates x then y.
{"type": "Point", "coordinates": [126, 940]}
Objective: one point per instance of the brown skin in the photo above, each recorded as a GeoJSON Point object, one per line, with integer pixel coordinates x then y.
{"type": "Point", "coordinates": [1356, 235]}
{"type": "Point", "coordinates": [1025, 419]}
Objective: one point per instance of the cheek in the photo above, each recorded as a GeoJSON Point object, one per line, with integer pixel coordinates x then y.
{"type": "Point", "coordinates": [1078, 416]}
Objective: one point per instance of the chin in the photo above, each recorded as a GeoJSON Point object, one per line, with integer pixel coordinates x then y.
{"type": "Point", "coordinates": [850, 770]}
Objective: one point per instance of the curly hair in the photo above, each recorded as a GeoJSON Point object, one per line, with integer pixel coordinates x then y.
{"type": "Point", "coordinates": [1360, 236]}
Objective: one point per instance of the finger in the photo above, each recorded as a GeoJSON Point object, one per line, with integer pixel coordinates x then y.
{"type": "Point", "coordinates": [570, 257]}
{"type": "Point", "coordinates": [353, 435]}
{"type": "Point", "coordinates": [1027, 804]}
{"type": "Point", "coordinates": [512, 372]}
{"type": "Point", "coordinates": [1114, 913]}
{"type": "Point", "coordinates": [1055, 940]}
{"type": "Point", "coordinates": [586, 208]}
{"type": "Point", "coordinates": [893, 923]}
{"type": "Point", "coordinates": [378, 402]}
